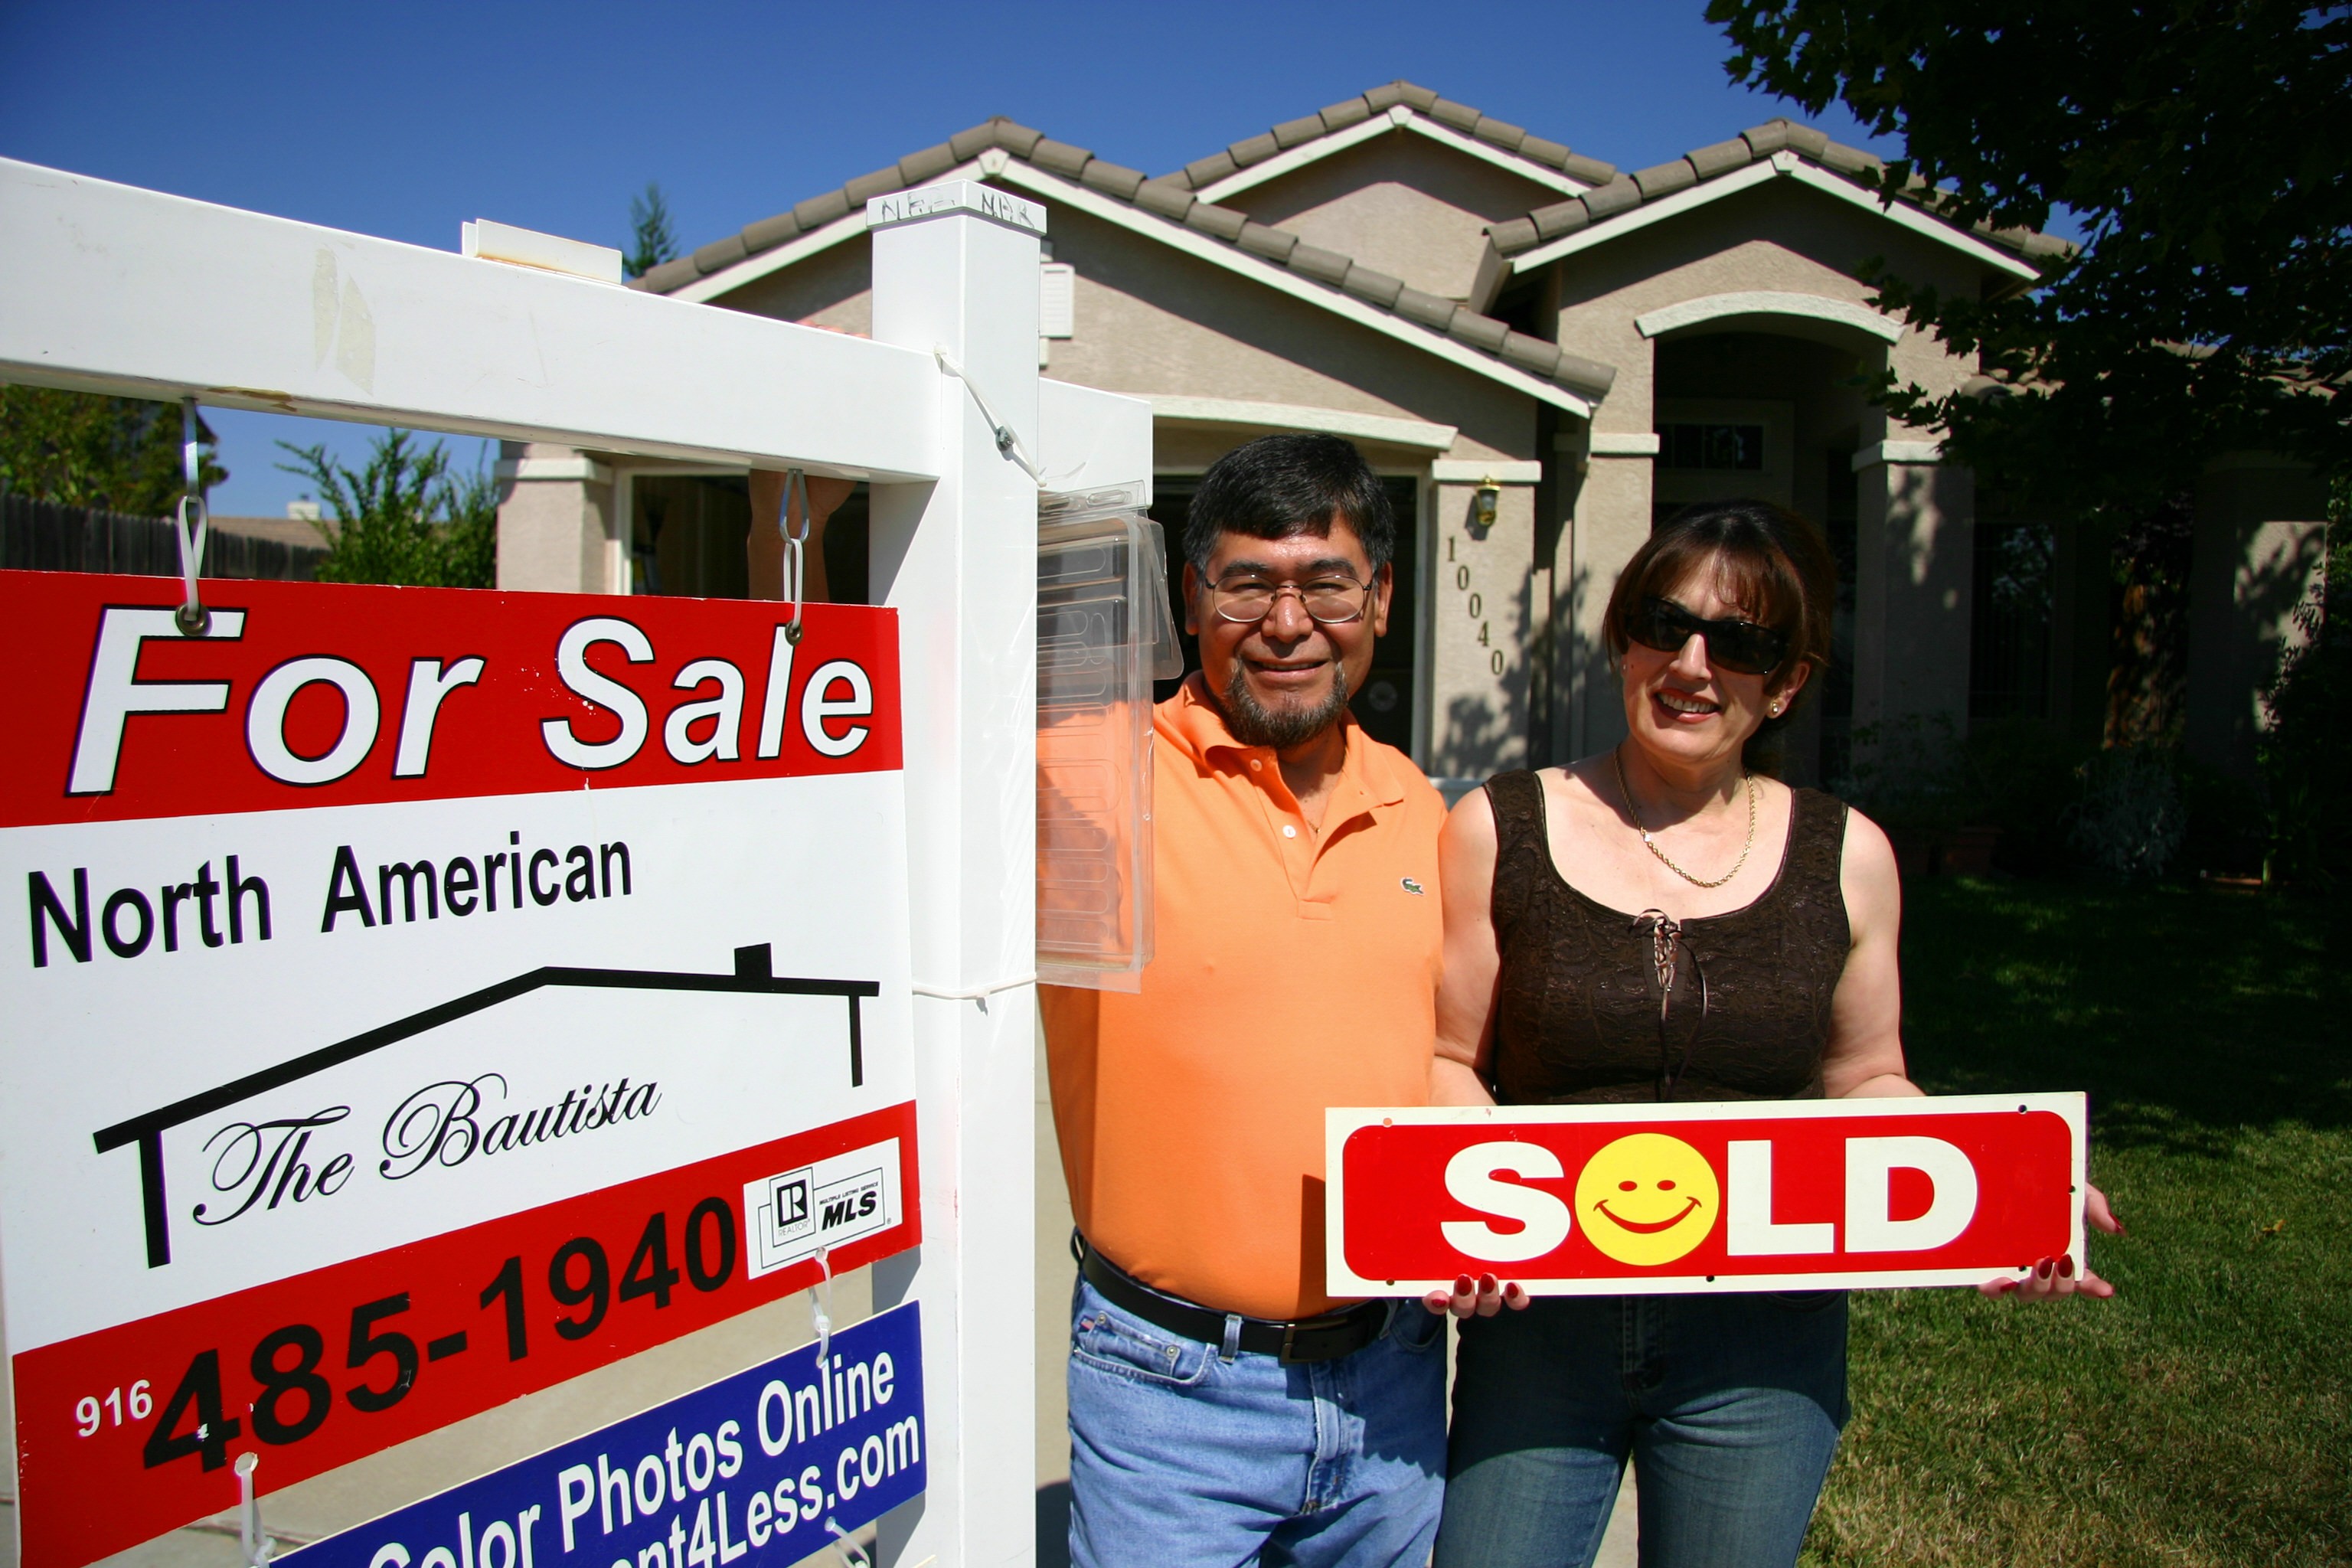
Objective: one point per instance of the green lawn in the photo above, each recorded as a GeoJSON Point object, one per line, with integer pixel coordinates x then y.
{"type": "Point", "coordinates": [2204, 1414]}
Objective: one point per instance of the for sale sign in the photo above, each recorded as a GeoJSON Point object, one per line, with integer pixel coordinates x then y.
{"type": "Point", "coordinates": [414, 998]}
{"type": "Point", "coordinates": [1603, 1200]}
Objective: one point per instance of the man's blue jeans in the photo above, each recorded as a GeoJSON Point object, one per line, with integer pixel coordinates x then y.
{"type": "Point", "coordinates": [1180, 1458]}
{"type": "Point", "coordinates": [1728, 1406]}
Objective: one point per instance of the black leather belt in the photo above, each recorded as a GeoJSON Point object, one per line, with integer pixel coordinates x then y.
{"type": "Point", "coordinates": [1326, 1338]}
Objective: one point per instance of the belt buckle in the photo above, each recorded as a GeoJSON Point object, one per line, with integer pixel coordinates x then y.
{"type": "Point", "coordinates": [1289, 1334]}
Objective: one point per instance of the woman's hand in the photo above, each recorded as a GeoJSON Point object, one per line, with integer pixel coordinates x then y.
{"type": "Point", "coordinates": [2063, 1276]}
{"type": "Point", "coordinates": [1482, 1296]}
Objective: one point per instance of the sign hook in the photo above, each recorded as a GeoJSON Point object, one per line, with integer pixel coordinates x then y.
{"type": "Point", "coordinates": [852, 1556]}
{"type": "Point", "coordinates": [193, 619]}
{"type": "Point", "coordinates": [821, 1310]}
{"type": "Point", "coordinates": [795, 580]}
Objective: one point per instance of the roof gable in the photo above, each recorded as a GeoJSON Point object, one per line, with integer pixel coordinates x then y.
{"type": "Point", "coordinates": [1778, 148]}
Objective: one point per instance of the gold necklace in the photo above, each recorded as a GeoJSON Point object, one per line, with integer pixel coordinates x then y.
{"type": "Point", "coordinates": [1617, 760]}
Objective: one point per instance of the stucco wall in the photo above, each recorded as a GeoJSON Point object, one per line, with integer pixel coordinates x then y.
{"type": "Point", "coordinates": [835, 288]}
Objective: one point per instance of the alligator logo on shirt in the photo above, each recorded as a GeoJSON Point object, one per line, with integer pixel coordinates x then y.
{"type": "Point", "coordinates": [1416, 889]}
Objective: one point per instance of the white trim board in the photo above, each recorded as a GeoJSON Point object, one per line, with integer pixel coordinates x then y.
{"type": "Point", "coordinates": [1781, 165]}
{"type": "Point", "coordinates": [1397, 117]}
{"type": "Point", "coordinates": [1768, 302]}
{"type": "Point", "coordinates": [1381, 427]}
{"type": "Point", "coordinates": [1477, 470]}
{"type": "Point", "coordinates": [1873, 456]}
{"type": "Point", "coordinates": [536, 469]}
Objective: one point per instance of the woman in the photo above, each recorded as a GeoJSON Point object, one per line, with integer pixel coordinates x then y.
{"type": "Point", "coordinates": [1659, 924]}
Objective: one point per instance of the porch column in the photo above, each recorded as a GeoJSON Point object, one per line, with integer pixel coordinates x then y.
{"type": "Point", "coordinates": [1481, 617]}
{"type": "Point", "coordinates": [2259, 556]}
{"type": "Point", "coordinates": [558, 530]}
{"type": "Point", "coordinates": [1915, 573]}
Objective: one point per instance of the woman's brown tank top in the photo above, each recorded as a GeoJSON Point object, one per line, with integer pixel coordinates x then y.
{"type": "Point", "coordinates": [1578, 1012]}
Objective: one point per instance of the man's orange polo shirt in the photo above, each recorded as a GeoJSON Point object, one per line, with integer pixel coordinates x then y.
{"type": "Point", "coordinates": [1293, 971]}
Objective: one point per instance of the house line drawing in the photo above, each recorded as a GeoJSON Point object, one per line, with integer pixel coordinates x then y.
{"type": "Point", "coordinates": [754, 973]}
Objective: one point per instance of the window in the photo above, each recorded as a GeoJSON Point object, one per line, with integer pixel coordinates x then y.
{"type": "Point", "coordinates": [1702, 447]}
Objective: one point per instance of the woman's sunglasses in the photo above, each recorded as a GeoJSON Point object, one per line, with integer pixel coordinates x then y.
{"type": "Point", "coordinates": [1740, 646]}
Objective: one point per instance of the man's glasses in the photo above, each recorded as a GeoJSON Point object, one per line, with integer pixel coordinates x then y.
{"type": "Point", "coordinates": [1329, 601]}
{"type": "Point", "coordinates": [1739, 646]}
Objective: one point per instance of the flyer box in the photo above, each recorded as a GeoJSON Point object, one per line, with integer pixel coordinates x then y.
{"type": "Point", "coordinates": [416, 997]}
{"type": "Point", "coordinates": [1744, 1196]}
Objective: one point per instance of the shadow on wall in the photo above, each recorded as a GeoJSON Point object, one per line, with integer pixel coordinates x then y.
{"type": "Point", "coordinates": [1476, 735]}
{"type": "Point", "coordinates": [1054, 1525]}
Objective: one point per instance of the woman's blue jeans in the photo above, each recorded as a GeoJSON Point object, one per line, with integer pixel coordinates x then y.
{"type": "Point", "coordinates": [1728, 1406]}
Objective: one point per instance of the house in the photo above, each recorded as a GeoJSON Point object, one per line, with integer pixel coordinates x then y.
{"type": "Point", "coordinates": [1545, 355]}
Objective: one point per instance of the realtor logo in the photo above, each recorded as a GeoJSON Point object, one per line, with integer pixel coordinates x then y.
{"type": "Point", "coordinates": [824, 1205]}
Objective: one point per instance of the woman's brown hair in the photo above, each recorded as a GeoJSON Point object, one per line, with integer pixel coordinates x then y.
{"type": "Point", "coordinates": [1772, 564]}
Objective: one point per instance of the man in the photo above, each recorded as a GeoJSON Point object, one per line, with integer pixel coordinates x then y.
{"type": "Point", "coordinates": [1222, 1407]}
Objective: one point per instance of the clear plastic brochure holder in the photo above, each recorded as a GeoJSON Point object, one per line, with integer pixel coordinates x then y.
{"type": "Point", "coordinates": [1105, 633]}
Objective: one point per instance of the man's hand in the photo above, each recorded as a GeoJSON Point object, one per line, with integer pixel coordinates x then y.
{"type": "Point", "coordinates": [1483, 1297]}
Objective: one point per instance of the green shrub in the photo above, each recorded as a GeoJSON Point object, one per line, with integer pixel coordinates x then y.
{"type": "Point", "coordinates": [404, 517]}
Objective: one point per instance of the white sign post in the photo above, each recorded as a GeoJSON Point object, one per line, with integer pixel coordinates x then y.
{"type": "Point", "coordinates": [959, 561]}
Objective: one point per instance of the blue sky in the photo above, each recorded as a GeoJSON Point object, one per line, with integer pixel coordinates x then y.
{"type": "Point", "coordinates": [407, 120]}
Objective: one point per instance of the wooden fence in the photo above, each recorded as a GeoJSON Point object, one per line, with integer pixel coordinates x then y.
{"type": "Point", "coordinates": [46, 536]}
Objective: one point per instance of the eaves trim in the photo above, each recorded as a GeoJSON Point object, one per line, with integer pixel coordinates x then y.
{"type": "Point", "coordinates": [1768, 302]}
{"type": "Point", "coordinates": [1782, 165]}
{"type": "Point", "coordinates": [1385, 428]}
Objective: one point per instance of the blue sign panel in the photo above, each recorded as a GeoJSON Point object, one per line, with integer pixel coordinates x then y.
{"type": "Point", "coordinates": [761, 1469]}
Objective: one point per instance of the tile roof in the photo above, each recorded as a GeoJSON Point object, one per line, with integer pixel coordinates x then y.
{"type": "Point", "coordinates": [1171, 198]}
{"type": "Point", "coordinates": [1622, 193]}
{"type": "Point", "coordinates": [1205, 172]}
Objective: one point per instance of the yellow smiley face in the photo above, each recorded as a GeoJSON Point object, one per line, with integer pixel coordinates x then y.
{"type": "Point", "coordinates": [1647, 1198]}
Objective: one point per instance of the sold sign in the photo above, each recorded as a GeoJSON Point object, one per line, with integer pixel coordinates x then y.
{"type": "Point", "coordinates": [1743, 1196]}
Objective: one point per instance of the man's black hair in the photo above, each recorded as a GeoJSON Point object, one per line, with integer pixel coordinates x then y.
{"type": "Point", "coordinates": [1278, 486]}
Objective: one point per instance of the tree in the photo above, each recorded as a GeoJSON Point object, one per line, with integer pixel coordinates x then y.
{"type": "Point", "coordinates": [404, 517]}
{"type": "Point", "coordinates": [651, 239]}
{"type": "Point", "coordinates": [116, 454]}
{"type": "Point", "coordinates": [2206, 148]}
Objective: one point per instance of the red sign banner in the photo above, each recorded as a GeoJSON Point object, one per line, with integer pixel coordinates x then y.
{"type": "Point", "coordinates": [1745, 1196]}
{"type": "Point", "coordinates": [296, 698]}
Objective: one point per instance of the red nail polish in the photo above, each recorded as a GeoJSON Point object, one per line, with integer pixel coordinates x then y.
{"type": "Point", "coordinates": [2066, 1267]}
